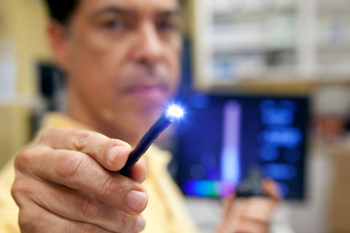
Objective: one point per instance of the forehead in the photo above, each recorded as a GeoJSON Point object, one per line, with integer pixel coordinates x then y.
{"type": "Point", "coordinates": [136, 6]}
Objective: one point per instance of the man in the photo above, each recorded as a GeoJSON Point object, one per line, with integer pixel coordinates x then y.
{"type": "Point", "coordinates": [121, 60]}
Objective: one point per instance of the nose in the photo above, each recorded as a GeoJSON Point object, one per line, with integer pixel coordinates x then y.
{"type": "Point", "coordinates": [150, 48]}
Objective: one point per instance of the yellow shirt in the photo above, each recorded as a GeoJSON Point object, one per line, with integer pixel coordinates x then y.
{"type": "Point", "coordinates": [165, 213]}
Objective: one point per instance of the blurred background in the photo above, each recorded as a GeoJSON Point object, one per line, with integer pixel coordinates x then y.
{"type": "Point", "coordinates": [267, 89]}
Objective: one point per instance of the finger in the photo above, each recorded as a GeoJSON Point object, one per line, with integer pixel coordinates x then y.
{"type": "Point", "coordinates": [78, 171]}
{"type": "Point", "coordinates": [112, 154]}
{"type": "Point", "coordinates": [234, 215]}
{"type": "Point", "coordinates": [272, 189]}
{"type": "Point", "coordinates": [138, 173]}
{"type": "Point", "coordinates": [228, 220]}
{"type": "Point", "coordinates": [83, 207]}
{"type": "Point", "coordinates": [250, 226]}
{"type": "Point", "coordinates": [34, 219]}
{"type": "Point", "coordinates": [228, 204]}
{"type": "Point", "coordinates": [258, 209]}
{"type": "Point", "coordinates": [250, 214]}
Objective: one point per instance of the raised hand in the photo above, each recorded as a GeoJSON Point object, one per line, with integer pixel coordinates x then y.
{"type": "Point", "coordinates": [69, 182]}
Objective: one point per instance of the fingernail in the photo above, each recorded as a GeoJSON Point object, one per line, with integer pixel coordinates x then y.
{"type": "Point", "coordinates": [113, 152]}
{"type": "Point", "coordinates": [140, 224]}
{"type": "Point", "coordinates": [137, 201]}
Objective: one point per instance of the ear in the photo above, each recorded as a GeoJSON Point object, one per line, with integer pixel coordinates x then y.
{"type": "Point", "coordinates": [58, 39]}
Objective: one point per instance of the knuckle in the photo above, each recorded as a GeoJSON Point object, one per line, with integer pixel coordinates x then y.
{"type": "Point", "coordinates": [28, 221]}
{"type": "Point", "coordinates": [127, 146]}
{"type": "Point", "coordinates": [22, 159]}
{"type": "Point", "coordinates": [80, 140]}
{"type": "Point", "coordinates": [48, 134]}
{"type": "Point", "coordinates": [87, 228]}
{"type": "Point", "coordinates": [125, 223]}
{"type": "Point", "coordinates": [72, 165]}
{"type": "Point", "coordinates": [104, 147]}
{"type": "Point", "coordinates": [26, 224]}
{"type": "Point", "coordinates": [109, 187]}
{"type": "Point", "coordinates": [108, 144]}
{"type": "Point", "coordinates": [15, 191]}
{"type": "Point", "coordinates": [21, 188]}
{"type": "Point", "coordinates": [89, 206]}
{"type": "Point", "coordinates": [45, 136]}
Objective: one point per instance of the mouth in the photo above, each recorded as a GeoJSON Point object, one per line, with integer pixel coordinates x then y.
{"type": "Point", "coordinates": [148, 92]}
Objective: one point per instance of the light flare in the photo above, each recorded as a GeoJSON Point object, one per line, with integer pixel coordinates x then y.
{"type": "Point", "coordinates": [174, 112]}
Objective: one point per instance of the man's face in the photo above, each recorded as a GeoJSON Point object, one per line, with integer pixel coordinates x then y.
{"type": "Point", "coordinates": [123, 60]}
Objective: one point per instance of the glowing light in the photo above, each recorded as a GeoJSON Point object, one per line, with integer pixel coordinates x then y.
{"type": "Point", "coordinates": [174, 112]}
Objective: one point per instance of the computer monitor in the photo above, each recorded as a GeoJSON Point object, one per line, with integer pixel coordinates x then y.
{"type": "Point", "coordinates": [223, 138]}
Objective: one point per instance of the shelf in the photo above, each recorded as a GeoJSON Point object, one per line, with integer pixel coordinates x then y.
{"type": "Point", "coordinates": [234, 12]}
{"type": "Point", "coordinates": [245, 41]}
{"type": "Point", "coordinates": [227, 49]}
{"type": "Point", "coordinates": [287, 86]}
{"type": "Point", "coordinates": [243, 16]}
{"type": "Point", "coordinates": [264, 87]}
{"type": "Point", "coordinates": [335, 48]}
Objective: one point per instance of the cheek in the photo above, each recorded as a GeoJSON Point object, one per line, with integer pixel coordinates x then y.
{"type": "Point", "coordinates": [95, 64]}
{"type": "Point", "coordinates": [95, 61]}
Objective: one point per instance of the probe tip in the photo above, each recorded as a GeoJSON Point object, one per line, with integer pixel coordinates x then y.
{"type": "Point", "coordinates": [174, 112]}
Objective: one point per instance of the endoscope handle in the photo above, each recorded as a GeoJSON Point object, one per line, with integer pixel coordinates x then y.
{"type": "Point", "coordinates": [251, 185]}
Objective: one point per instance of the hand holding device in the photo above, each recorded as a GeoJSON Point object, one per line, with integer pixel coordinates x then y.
{"type": "Point", "coordinates": [68, 183]}
{"type": "Point", "coordinates": [252, 214]}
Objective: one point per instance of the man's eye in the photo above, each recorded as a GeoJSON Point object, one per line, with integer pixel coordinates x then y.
{"type": "Point", "coordinates": [113, 25]}
{"type": "Point", "coordinates": [167, 26]}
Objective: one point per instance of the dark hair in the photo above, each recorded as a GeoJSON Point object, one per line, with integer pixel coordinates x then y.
{"type": "Point", "coordinates": [62, 10]}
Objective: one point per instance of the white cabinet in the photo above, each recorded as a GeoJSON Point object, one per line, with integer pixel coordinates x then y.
{"type": "Point", "coordinates": [278, 41]}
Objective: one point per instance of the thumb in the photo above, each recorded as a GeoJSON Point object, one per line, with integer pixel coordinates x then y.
{"type": "Point", "coordinates": [228, 203]}
{"type": "Point", "coordinates": [271, 189]}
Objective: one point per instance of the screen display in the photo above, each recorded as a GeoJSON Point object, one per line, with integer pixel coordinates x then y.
{"type": "Point", "coordinates": [223, 138]}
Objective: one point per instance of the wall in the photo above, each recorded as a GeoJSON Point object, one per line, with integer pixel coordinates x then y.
{"type": "Point", "coordinates": [23, 22]}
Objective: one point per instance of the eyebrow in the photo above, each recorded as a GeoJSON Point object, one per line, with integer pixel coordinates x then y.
{"type": "Point", "coordinates": [121, 11]}
{"type": "Point", "coordinates": [169, 13]}
{"type": "Point", "coordinates": [114, 10]}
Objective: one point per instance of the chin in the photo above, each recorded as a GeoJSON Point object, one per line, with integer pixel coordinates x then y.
{"type": "Point", "coordinates": [146, 122]}
{"type": "Point", "coordinates": [137, 123]}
